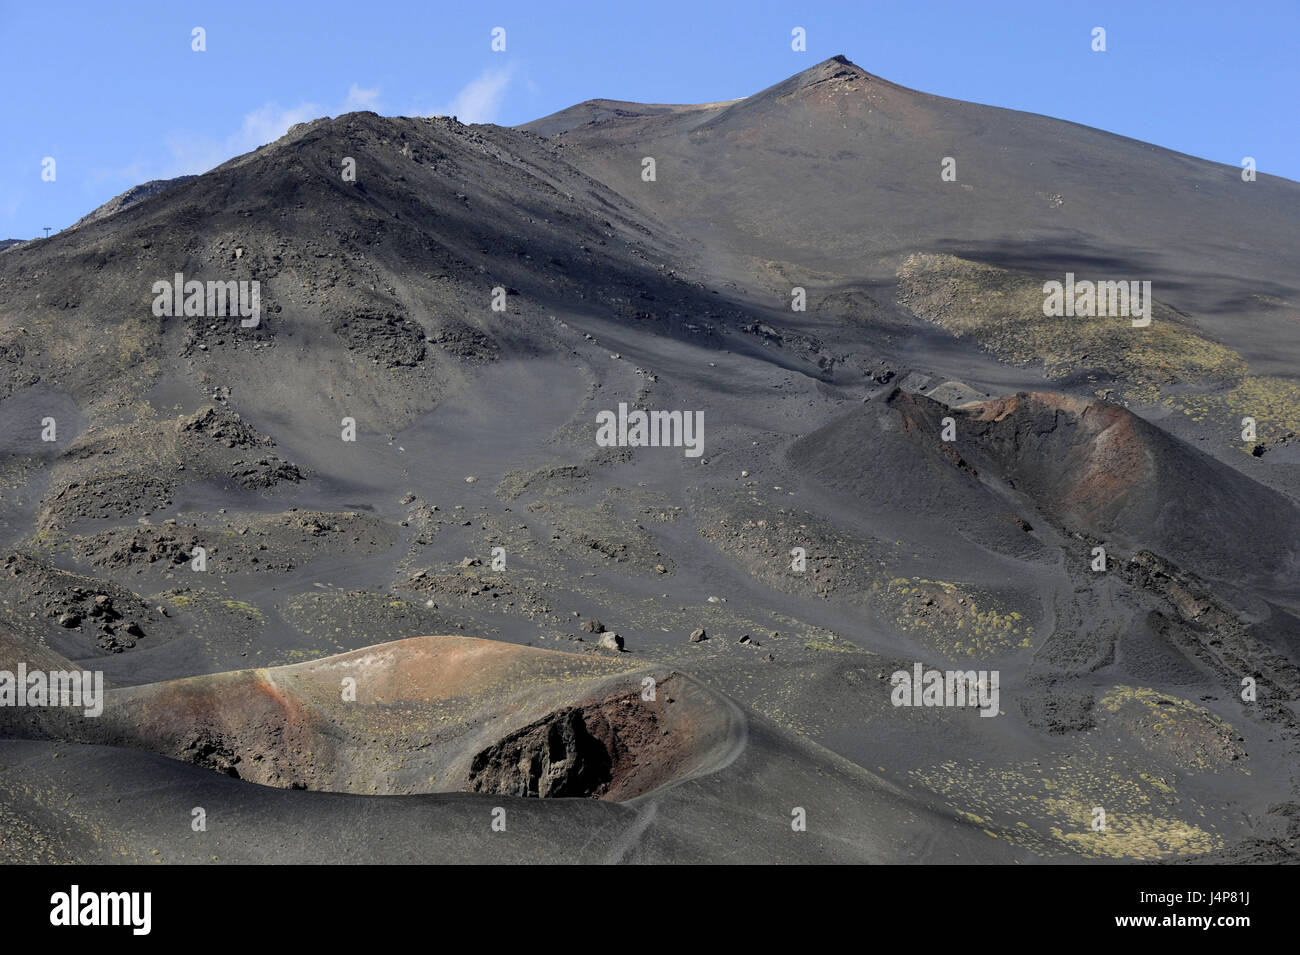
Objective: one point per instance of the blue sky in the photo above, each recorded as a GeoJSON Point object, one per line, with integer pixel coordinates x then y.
{"type": "Point", "coordinates": [115, 94]}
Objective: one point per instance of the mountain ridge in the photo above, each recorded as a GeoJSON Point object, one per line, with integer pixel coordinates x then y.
{"type": "Point", "coordinates": [904, 464]}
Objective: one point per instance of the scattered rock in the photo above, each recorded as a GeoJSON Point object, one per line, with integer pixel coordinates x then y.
{"type": "Point", "coordinates": [384, 335]}
{"type": "Point", "coordinates": [225, 428]}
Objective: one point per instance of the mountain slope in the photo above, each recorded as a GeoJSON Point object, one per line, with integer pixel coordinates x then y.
{"type": "Point", "coordinates": [225, 520]}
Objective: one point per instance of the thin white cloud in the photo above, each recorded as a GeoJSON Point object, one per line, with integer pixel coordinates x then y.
{"type": "Point", "coordinates": [359, 99]}
{"type": "Point", "coordinates": [189, 153]}
{"type": "Point", "coordinates": [198, 153]}
{"type": "Point", "coordinates": [268, 123]}
{"type": "Point", "coordinates": [480, 100]}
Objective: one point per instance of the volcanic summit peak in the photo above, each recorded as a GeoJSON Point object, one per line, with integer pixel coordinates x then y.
{"type": "Point", "coordinates": [838, 66]}
{"type": "Point", "coordinates": [838, 73]}
{"type": "Point", "coordinates": [843, 60]}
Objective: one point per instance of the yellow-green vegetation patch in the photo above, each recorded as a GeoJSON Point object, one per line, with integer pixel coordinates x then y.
{"type": "Point", "coordinates": [943, 616]}
{"type": "Point", "coordinates": [30, 799]}
{"type": "Point", "coordinates": [760, 538]}
{"type": "Point", "coordinates": [1088, 804]}
{"type": "Point", "coordinates": [1002, 311]}
{"type": "Point", "coordinates": [950, 619]}
{"type": "Point", "coordinates": [300, 655]}
{"type": "Point", "coordinates": [145, 443]}
{"type": "Point", "coordinates": [833, 646]}
{"type": "Point", "coordinates": [1188, 735]}
{"type": "Point", "coordinates": [1273, 402]}
{"type": "Point", "coordinates": [221, 625]}
{"type": "Point", "coordinates": [1130, 835]}
{"type": "Point", "coordinates": [244, 607]}
{"type": "Point", "coordinates": [468, 587]}
{"type": "Point", "coordinates": [337, 620]}
{"type": "Point", "coordinates": [124, 350]}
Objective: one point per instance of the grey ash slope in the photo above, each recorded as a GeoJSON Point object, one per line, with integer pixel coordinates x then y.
{"type": "Point", "coordinates": [831, 180]}
{"type": "Point", "coordinates": [873, 149]}
{"type": "Point", "coordinates": [435, 201]}
{"type": "Point", "coordinates": [1092, 467]}
{"type": "Point", "coordinates": [146, 190]}
{"type": "Point", "coordinates": [476, 431]}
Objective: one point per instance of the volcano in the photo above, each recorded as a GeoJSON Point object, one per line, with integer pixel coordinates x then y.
{"type": "Point", "coordinates": [603, 470]}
